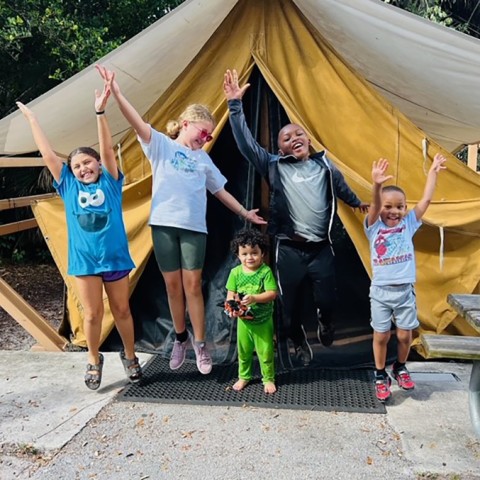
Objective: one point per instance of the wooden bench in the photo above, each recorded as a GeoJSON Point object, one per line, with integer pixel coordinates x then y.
{"type": "Point", "coordinates": [461, 348]}
{"type": "Point", "coordinates": [468, 307]}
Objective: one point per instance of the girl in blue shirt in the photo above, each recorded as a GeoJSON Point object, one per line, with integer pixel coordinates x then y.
{"type": "Point", "coordinates": [98, 257]}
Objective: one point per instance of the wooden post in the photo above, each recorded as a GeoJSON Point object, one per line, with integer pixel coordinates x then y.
{"type": "Point", "coordinates": [472, 156]}
{"type": "Point", "coordinates": [23, 313]}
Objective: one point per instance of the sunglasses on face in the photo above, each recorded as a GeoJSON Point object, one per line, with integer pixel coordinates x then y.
{"type": "Point", "coordinates": [204, 135]}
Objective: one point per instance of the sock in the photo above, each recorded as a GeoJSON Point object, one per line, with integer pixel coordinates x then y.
{"type": "Point", "coordinates": [200, 343]}
{"type": "Point", "coordinates": [381, 373]}
{"type": "Point", "coordinates": [397, 365]}
{"type": "Point", "coordinates": [182, 337]}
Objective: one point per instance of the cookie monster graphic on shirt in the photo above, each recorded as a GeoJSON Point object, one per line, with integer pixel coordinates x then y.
{"type": "Point", "coordinates": [95, 221]}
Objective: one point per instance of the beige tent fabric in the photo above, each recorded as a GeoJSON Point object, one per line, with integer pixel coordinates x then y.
{"type": "Point", "coordinates": [428, 71]}
{"type": "Point", "coordinates": [341, 113]}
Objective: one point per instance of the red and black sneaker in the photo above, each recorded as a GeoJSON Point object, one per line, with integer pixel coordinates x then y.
{"type": "Point", "coordinates": [382, 388]}
{"type": "Point", "coordinates": [403, 378]}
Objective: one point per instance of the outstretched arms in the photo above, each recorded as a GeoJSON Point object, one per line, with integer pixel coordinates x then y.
{"type": "Point", "coordinates": [379, 177]}
{"type": "Point", "coordinates": [52, 160]}
{"type": "Point", "coordinates": [437, 165]}
{"type": "Point", "coordinates": [142, 128]}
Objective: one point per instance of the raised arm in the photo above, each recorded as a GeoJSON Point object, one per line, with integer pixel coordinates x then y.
{"type": "Point", "coordinates": [236, 207]}
{"type": "Point", "coordinates": [248, 146]}
{"type": "Point", "coordinates": [378, 176]}
{"type": "Point", "coordinates": [437, 165]}
{"type": "Point", "coordinates": [107, 153]}
{"type": "Point", "coordinates": [53, 162]}
{"type": "Point", "coordinates": [142, 128]}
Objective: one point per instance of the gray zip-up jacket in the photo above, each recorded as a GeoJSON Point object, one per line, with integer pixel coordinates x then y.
{"type": "Point", "coordinates": [266, 165]}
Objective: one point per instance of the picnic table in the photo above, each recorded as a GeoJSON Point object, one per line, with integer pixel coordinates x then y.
{"type": "Point", "coordinates": [461, 347]}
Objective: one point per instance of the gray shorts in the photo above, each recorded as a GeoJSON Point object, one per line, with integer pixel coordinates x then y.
{"type": "Point", "coordinates": [177, 248]}
{"type": "Point", "coordinates": [393, 303]}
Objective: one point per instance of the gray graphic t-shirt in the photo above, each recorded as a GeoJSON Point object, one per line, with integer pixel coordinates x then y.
{"type": "Point", "coordinates": [305, 185]}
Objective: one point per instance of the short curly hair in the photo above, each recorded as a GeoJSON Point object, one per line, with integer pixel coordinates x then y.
{"type": "Point", "coordinates": [249, 237]}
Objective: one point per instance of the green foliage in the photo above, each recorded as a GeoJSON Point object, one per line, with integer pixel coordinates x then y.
{"type": "Point", "coordinates": [461, 15]}
{"type": "Point", "coordinates": [44, 42]}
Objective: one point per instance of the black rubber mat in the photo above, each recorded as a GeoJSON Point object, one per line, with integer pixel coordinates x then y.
{"type": "Point", "coordinates": [340, 390]}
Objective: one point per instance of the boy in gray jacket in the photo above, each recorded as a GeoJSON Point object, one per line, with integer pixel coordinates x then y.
{"type": "Point", "coordinates": [303, 201]}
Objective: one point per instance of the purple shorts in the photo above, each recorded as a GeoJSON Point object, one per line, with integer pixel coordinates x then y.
{"type": "Point", "coordinates": [113, 276]}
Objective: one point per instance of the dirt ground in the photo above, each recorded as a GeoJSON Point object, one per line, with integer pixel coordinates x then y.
{"type": "Point", "coordinates": [42, 287]}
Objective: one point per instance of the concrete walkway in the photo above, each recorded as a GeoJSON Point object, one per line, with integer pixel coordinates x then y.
{"type": "Point", "coordinates": [53, 427]}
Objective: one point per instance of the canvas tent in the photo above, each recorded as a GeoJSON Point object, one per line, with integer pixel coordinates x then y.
{"type": "Point", "coordinates": [365, 79]}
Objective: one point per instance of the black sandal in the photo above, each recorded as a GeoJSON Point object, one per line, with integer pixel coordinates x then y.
{"type": "Point", "coordinates": [93, 380]}
{"type": "Point", "coordinates": [132, 368]}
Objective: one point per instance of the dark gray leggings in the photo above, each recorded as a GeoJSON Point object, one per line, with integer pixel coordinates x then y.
{"type": "Point", "coordinates": [177, 248]}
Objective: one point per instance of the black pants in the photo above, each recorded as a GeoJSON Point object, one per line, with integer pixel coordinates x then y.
{"type": "Point", "coordinates": [295, 262]}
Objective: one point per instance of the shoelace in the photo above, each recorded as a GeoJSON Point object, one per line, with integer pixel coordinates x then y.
{"type": "Point", "coordinates": [404, 376]}
{"type": "Point", "coordinates": [203, 354]}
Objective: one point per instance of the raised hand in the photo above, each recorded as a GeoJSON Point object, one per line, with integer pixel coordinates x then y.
{"type": "Point", "coordinates": [101, 98]}
{"type": "Point", "coordinates": [378, 171]}
{"type": "Point", "coordinates": [231, 87]}
{"type": "Point", "coordinates": [25, 110]}
{"type": "Point", "coordinates": [438, 163]}
{"type": "Point", "coordinates": [108, 77]}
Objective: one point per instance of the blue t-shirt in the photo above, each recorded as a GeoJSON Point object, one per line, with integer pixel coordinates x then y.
{"type": "Point", "coordinates": [97, 240]}
{"type": "Point", "coordinates": [391, 250]}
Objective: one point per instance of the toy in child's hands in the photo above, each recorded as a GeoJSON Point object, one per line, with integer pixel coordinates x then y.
{"type": "Point", "coordinates": [235, 306]}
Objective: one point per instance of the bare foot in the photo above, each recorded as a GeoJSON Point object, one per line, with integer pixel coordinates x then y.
{"type": "Point", "coordinates": [240, 385]}
{"type": "Point", "coordinates": [269, 387]}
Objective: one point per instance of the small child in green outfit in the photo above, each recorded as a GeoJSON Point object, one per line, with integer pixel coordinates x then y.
{"type": "Point", "coordinates": [253, 285]}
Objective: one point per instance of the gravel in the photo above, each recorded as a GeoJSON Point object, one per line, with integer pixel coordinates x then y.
{"type": "Point", "coordinates": [42, 286]}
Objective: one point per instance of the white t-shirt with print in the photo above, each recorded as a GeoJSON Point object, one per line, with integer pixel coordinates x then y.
{"type": "Point", "coordinates": [181, 178]}
{"type": "Point", "coordinates": [391, 250]}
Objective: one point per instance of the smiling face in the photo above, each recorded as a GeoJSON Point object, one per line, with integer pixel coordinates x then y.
{"type": "Point", "coordinates": [293, 140]}
{"type": "Point", "coordinates": [250, 257]}
{"type": "Point", "coordinates": [85, 167]}
{"type": "Point", "coordinates": [394, 207]}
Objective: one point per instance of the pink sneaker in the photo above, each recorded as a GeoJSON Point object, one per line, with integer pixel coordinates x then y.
{"type": "Point", "coordinates": [204, 361]}
{"type": "Point", "coordinates": [382, 388]}
{"type": "Point", "coordinates": [403, 378]}
{"type": "Point", "coordinates": [179, 352]}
